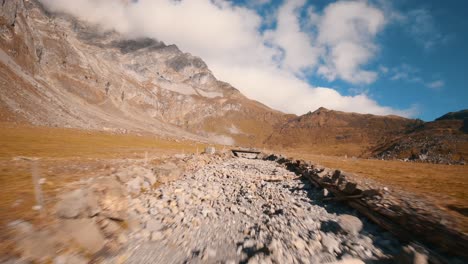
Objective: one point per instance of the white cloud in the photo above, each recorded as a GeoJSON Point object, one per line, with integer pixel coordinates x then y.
{"type": "Point", "coordinates": [299, 54]}
{"type": "Point", "coordinates": [436, 84]}
{"type": "Point", "coordinates": [267, 67]}
{"type": "Point", "coordinates": [347, 29]}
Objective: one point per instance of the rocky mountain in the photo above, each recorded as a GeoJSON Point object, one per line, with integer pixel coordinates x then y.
{"type": "Point", "coordinates": [444, 140]}
{"type": "Point", "coordinates": [324, 127]}
{"type": "Point", "coordinates": [59, 71]}
{"type": "Point", "coordinates": [56, 70]}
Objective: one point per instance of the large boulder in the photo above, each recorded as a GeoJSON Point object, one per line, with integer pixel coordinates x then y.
{"type": "Point", "coordinates": [210, 150]}
{"type": "Point", "coordinates": [135, 185]}
{"type": "Point", "coordinates": [350, 224]}
{"type": "Point", "coordinates": [37, 246]}
{"type": "Point", "coordinates": [86, 233]}
{"type": "Point", "coordinates": [167, 172]}
{"type": "Point", "coordinates": [77, 203]}
{"type": "Point", "coordinates": [153, 225]}
{"type": "Point", "coordinates": [72, 204]}
{"type": "Point", "coordinates": [112, 198]}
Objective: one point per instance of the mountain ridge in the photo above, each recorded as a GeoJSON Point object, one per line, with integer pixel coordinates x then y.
{"type": "Point", "coordinates": [59, 71]}
{"type": "Point", "coordinates": [101, 80]}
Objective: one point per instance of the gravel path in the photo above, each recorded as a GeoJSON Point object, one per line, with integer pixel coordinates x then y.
{"type": "Point", "coordinates": [249, 211]}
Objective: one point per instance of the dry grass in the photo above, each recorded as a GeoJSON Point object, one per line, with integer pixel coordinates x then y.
{"type": "Point", "coordinates": [342, 149]}
{"type": "Point", "coordinates": [66, 143]}
{"type": "Point", "coordinates": [65, 155]}
{"type": "Point", "coordinates": [446, 186]}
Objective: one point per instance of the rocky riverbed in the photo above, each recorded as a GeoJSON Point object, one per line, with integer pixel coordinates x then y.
{"type": "Point", "coordinates": [249, 211]}
{"type": "Point", "coordinates": [217, 209]}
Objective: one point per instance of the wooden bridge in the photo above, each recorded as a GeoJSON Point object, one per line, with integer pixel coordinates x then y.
{"type": "Point", "coordinates": [242, 153]}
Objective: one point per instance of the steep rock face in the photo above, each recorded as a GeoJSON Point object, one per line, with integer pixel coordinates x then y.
{"type": "Point", "coordinates": [59, 71]}
{"type": "Point", "coordinates": [9, 11]}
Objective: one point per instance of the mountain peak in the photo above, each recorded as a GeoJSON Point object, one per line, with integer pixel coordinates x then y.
{"type": "Point", "coordinates": [319, 110]}
{"type": "Point", "coordinates": [459, 115]}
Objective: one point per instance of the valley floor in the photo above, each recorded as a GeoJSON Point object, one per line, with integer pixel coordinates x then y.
{"type": "Point", "coordinates": [69, 155]}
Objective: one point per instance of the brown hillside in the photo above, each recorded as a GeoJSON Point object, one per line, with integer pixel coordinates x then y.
{"type": "Point", "coordinates": [348, 133]}
{"type": "Point", "coordinates": [442, 141]}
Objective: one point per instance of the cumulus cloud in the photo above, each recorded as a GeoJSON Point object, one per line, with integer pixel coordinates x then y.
{"type": "Point", "coordinates": [299, 54]}
{"type": "Point", "coordinates": [347, 30]}
{"type": "Point", "coordinates": [271, 65]}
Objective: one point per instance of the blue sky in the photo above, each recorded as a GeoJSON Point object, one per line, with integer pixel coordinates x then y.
{"type": "Point", "coordinates": [382, 57]}
{"type": "Point", "coordinates": [422, 58]}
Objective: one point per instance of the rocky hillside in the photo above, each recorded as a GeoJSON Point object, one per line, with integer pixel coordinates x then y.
{"type": "Point", "coordinates": [444, 140]}
{"type": "Point", "coordinates": [459, 115]}
{"type": "Point", "coordinates": [325, 127]}
{"type": "Point", "coordinates": [58, 71]}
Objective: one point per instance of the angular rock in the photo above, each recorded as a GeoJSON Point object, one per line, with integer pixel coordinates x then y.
{"type": "Point", "coordinates": [350, 224]}
{"type": "Point", "coordinates": [9, 10]}
{"type": "Point", "coordinates": [150, 178]}
{"type": "Point", "coordinates": [210, 150]}
{"type": "Point", "coordinates": [350, 188]}
{"type": "Point", "coordinates": [110, 228]}
{"type": "Point", "coordinates": [72, 204]}
{"type": "Point", "coordinates": [153, 225]}
{"type": "Point", "coordinates": [92, 201]}
{"type": "Point", "coordinates": [123, 177]}
{"type": "Point", "coordinates": [112, 198]}
{"type": "Point", "coordinates": [135, 185]}
{"type": "Point", "coordinates": [156, 236]}
{"type": "Point", "coordinates": [86, 233]}
{"type": "Point", "coordinates": [330, 243]}
{"type": "Point", "coordinates": [20, 227]}
{"type": "Point", "coordinates": [37, 246]}
{"type": "Point", "coordinates": [167, 172]}
{"type": "Point", "coordinates": [410, 255]}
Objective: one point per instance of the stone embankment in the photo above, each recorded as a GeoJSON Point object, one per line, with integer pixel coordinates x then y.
{"type": "Point", "coordinates": [409, 218]}
{"type": "Point", "coordinates": [210, 209]}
